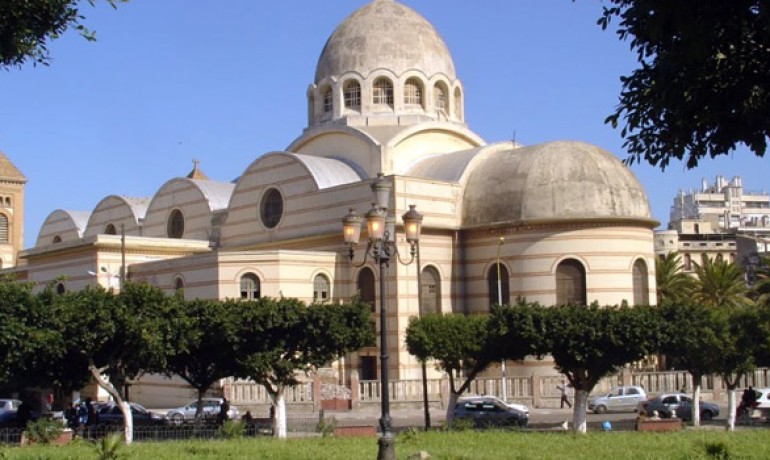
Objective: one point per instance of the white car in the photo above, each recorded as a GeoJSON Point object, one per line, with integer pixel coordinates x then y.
{"type": "Point", "coordinates": [211, 406]}
{"type": "Point", "coordinates": [519, 407]}
{"type": "Point", "coordinates": [763, 398]}
{"type": "Point", "coordinates": [623, 398]}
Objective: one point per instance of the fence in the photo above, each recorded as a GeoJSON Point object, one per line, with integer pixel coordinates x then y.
{"type": "Point", "coordinates": [537, 391]}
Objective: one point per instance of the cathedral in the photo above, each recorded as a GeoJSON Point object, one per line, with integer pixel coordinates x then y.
{"type": "Point", "coordinates": [557, 222]}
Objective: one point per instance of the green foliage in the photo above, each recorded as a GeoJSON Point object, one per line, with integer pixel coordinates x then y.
{"type": "Point", "coordinates": [720, 284]}
{"type": "Point", "coordinates": [699, 90]}
{"type": "Point", "coordinates": [231, 429]}
{"type": "Point", "coordinates": [108, 448]}
{"type": "Point", "coordinates": [280, 337]}
{"type": "Point", "coordinates": [717, 450]}
{"type": "Point", "coordinates": [674, 285]}
{"type": "Point", "coordinates": [325, 426]}
{"type": "Point", "coordinates": [409, 435]}
{"type": "Point", "coordinates": [591, 342]}
{"type": "Point", "coordinates": [470, 444]}
{"type": "Point", "coordinates": [26, 27]}
{"type": "Point", "coordinates": [207, 335]}
{"type": "Point", "coordinates": [44, 430]}
{"type": "Point", "coordinates": [459, 424]}
{"type": "Point", "coordinates": [695, 337]}
{"type": "Point", "coordinates": [761, 289]}
{"type": "Point", "coordinates": [455, 342]}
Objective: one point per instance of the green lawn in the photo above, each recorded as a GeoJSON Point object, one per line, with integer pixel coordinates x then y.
{"type": "Point", "coordinates": [444, 445]}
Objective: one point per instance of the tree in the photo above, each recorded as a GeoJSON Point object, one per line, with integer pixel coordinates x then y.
{"type": "Point", "coordinates": [119, 336]}
{"type": "Point", "coordinates": [673, 283]}
{"type": "Point", "coordinates": [744, 340]}
{"type": "Point", "coordinates": [700, 88]}
{"type": "Point", "coordinates": [26, 338]}
{"type": "Point", "coordinates": [456, 342]}
{"type": "Point", "coordinates": [27, 26]}
{"type": "Point", "coordinates": [210, 334]}
{"type": "Point", "coordinates": [588, 343]}
{"type": "Point", "coordinates": [719, 284]}
{"type": "Point", "coordinates": [761, 288]}
{"type": "Point", "coordinates": [281, 338]}
{"type": "Point", "coordinates": [696, 337]}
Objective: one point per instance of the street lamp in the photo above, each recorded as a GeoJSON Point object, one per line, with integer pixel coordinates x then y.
{"type": "Point", "coordinates": [504, 387]}
{"type": "Point", "coordinates": [381, 247]}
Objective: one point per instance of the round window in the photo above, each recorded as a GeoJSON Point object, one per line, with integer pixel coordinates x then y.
{"type": "Point", "coordinates": [175, 227]}
{"type": "Point", "coordinates": [271, 208]}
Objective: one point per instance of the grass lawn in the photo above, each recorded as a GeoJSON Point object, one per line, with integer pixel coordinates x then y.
{"type": "Point", "coordinates": [707, 444]}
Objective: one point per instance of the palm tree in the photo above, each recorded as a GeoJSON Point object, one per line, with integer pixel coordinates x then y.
{"type": "Point", "coordinates": [720, 284]}
{"type": "Point", "coordinates": [761, 288]}
{"type": "Point", "coordinates": [673, 283]}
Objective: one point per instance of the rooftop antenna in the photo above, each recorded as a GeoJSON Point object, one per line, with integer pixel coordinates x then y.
{"type": "Point", "coordinates": [513, 138]}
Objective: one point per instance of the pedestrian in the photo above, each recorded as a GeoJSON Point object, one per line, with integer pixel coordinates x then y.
{"type": "Point", "coordinates": [563, 388]}
{"type": "Point", "coordinates": [23, 414]}
{"type": "Point", "coordinates": [91, 417]}
{"type": "Point", "coordinates": [224, 408]}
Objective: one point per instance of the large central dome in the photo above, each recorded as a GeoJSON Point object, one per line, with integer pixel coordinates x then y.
{"type": "Point", "coordinates": [384, 35]}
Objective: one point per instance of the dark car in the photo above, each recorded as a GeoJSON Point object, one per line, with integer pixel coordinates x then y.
{"type": "Point", "coordinates": [487, 412]}
{"type": "Point", "coordinates": [110, 414]}
{"type": "Point", "coordinates": [679, 404]}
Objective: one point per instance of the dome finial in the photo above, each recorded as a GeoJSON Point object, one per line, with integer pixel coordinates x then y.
{"type": "Point", "coordinates": [196, 173]}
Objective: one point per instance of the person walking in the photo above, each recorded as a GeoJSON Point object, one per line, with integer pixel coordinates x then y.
{"type": "Point", "coordinates": [563, 388]}
{"type": "Point", "coordinates": [224, 408]}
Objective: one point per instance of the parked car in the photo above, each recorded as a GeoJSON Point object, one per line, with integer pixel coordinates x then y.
{"type": "Point", "coordinates": [110, 414]}
{"type": "Point", "coordinates": [488, 411]}
{"type": "Point", "coordinates": [517, 406]}
{"type": "Point", "coordinates": [668, 403]}
{"type": "Point", "coordinates": [179, 415]}
{"type": "Point", "coordinates": [763, 398]}
{"type": "Point", "coordinates": [619, 399]}
{"type": "Point", "coordinates": [8, 409]}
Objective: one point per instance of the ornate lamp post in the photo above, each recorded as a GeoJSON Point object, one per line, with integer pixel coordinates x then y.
{"type": "Point", "coordinates": [381, 247]}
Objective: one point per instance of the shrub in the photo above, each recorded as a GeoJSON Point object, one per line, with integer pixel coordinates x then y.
{"type": "Point", "coordinates": [44, 430]}
{"type": "Point", "coordinates": [459, 424]}
{"type": "Point", "coordinates": [107, 448]}
{"type": "Point", "coordinates": [717, 450]}
{"type": "Point", "coordinates": [325, 426]}
{"type": "Point", "coordinates": [231, 429]}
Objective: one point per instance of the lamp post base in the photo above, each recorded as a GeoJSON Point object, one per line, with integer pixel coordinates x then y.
{"type": "Point", "coordinates": [387, 448]}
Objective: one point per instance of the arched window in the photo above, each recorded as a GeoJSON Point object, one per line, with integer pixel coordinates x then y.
{"type": "Point", "coordinates": [328, 98]}
{"type": "Point", "coordinates": [178, 284]}
{"type": "Point", "coordinates": [61, 288]}
{"type": "Point", "coordinates": [352, 95]}
{"type": "Point", "coordinates": [641, 284]}
{"type": "Point", "coordinates": [57, 239]}
{"type": "Point", "coordinates": [570, 283]}
{"type": "Point", "coordinates": [458, 103]}
{"type": "Point", "coordinates": [3, 228]}
{"type": "Point", "coordinates": [704, 258]}
{"type": "Point", "coordinates": [365, 285]}
{"type": "Point", "coordinates": [413, 92]}
{"type": "Point", "coordinates": [439, 97]}
{"type": "Point", "coordinates": [175, 224]}
{"type": "Point", "coordinates": [110, 230]}
{"type": "Point", "coordinates": [250, 287]}
{"type": "Point", "coordinates": [321, 288]}
{"type": "Point", "coordinates": [383, 92]}
{"type": "Point", "coordinates": [687, 262]}
{"type": "Point", "coordinates": [430, 291]}
{"type": "Point", "coordinates": [499, 293]}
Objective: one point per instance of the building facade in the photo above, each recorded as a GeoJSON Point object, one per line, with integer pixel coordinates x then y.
{"type": "Point", "coordinates": [385, 98]}
{"type": "Point", "coordinates": [718, 220]}
{"type": "Point", "coordinates": [11, 212]}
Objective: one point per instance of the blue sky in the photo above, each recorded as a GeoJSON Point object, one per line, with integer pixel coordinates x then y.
{"type": "Point", "coordinates": [224, 81]}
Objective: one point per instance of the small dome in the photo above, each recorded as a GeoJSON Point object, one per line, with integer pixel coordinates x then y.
{"type": "Point", "coordinates": [384, 35]}
{"type": "Point", "coordinates": [555, 180]}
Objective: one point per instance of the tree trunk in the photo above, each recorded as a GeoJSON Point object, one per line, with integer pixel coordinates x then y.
{"type": "Point", "coordinates": [279, 421]}
{"type": "Point", "coordinates": [125, 408]}
{"type": "Point", "coordinates": [579, 411]}
{"type": "Point", "coordinates": [450, 407]}
{"type": "Point", "coordinates": [731, 408]}
{"type": "Point", "coordinates": [199, 409]}
{"type": "Point", "coordinates": [696, 402]}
